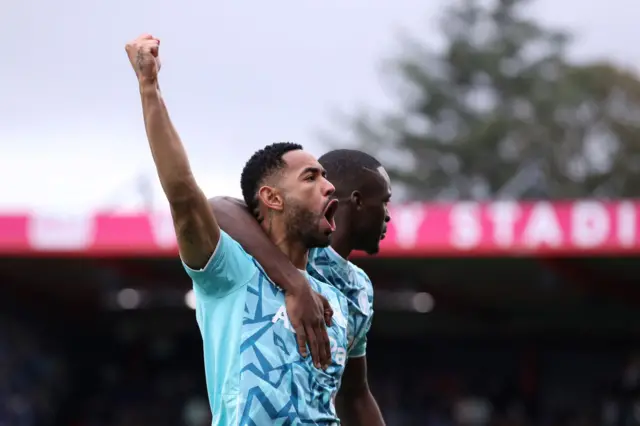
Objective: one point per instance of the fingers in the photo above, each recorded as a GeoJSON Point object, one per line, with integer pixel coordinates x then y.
{"type": "Point", "coordinates": [148, 37]}
{"type": "Point", "coordinates": [147, 42]}
{"type": "Point", "coordinates": [328, 311]}
{"type": "Point", "coordinates": [313, 347]}
{"type": "Point", "coordinates": [324, 345]}
{"type": "Point", "coordinates": [301, 337]}
{"type": "Point", "coordinates": [152, 46]}
{"type": "Point", "coordinates": [328, 317]}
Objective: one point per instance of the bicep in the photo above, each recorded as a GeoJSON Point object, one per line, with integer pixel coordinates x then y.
{"type": "Point", "coordinates": [355, 376]}
{"type": "Point", "coordinates": [197, 231]}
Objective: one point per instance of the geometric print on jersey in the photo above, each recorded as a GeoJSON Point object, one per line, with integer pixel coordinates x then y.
{"type": "Point", "coordinates": [280, 387]}
{"type": "Point", "coordinates": [355, 285]}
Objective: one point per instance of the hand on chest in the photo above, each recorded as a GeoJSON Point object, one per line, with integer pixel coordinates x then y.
{"type": "Point", "coordinates": [337, 335]}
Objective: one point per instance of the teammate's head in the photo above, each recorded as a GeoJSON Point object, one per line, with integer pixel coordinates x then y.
{"type": "Point", "coordinates": [284, 183]}
{"type": "Point", "coordinates": [364, 189]}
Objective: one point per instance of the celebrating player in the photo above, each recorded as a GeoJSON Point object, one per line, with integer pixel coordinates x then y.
{"type": "Point", "coordinates": [254, 373]}
{"type": "Point", "coordinates": [363, 188]}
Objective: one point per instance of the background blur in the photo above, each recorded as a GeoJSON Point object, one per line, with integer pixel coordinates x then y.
{"type": "Point", "coordinates": [507, 289]}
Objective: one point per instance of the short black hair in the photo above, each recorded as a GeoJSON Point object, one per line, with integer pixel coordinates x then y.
{"type": "Point", "coordinates": [348, 169]}
{"type": "Point", "coordinates": [262, 165]}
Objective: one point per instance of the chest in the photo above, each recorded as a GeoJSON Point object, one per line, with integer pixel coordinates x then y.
{"type": "Point", "coordinates": [267, 326]}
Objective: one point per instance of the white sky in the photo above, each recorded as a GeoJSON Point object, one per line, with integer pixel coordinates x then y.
{"type": "Point", "coordinates": [236, 75]}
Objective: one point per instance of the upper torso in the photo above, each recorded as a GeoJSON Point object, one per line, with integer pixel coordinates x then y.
{"type": "Point", "coordinates": [255, 375]}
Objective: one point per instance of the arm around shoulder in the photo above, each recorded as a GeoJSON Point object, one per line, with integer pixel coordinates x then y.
{"type": "Point", "coordinates": [237, 221]}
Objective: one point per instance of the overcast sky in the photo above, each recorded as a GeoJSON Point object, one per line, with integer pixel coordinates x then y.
{"type": "Point", "coordinates": [236, 76]}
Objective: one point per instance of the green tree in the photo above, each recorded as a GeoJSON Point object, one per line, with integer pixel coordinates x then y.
{"type": "Point", "coordinates": [502, 112]}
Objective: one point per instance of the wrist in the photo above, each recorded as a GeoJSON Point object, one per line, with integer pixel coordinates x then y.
{"type": "Point", "coordinates": [297, 284]}
{"type": "Point", "coordinates": [148, 85]}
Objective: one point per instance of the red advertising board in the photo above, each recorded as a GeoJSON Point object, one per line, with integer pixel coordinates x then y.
{"type": "Point", "coordinates": [586, 227]}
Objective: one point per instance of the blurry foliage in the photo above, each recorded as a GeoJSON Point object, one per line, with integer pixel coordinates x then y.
{"type": "Point", "coordinates": [502, 112]}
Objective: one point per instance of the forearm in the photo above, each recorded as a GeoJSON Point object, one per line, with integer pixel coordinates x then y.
{"type": "Point", "coordinates": [169, 155]}
{"type": "Point", "coordinates": [196, 229]}
{"type": "Point", "coordinates": [234, 218]}
{"type": "Point", "coordinates": [360, 409]}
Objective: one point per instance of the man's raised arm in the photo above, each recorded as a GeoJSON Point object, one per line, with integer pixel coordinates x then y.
{"type": "Point", "coordinates": [195, 225]}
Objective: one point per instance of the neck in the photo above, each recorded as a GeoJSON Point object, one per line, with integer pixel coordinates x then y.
{"type": "Point", "coordinates": [294, 250]}
{"type": "Point", "coordinates": [340, 240]}
{"type": "Point", "coordinates": [296, 253]}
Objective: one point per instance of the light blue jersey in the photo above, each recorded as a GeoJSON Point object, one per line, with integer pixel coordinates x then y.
{"type": "Point", "coordinates": [355, 285]}
{"type": "Point", "coordinates": [254, 372]}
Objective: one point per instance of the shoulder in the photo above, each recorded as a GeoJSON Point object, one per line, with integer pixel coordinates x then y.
{"type": "Point", "coordinates": [361, 279]}
{"type": "Point", "coordinates": [321, 264]}
{"type": "Point", "coordinates": [230, 256]}
{"type": "Point", "coordinates": [362, 294]}
{"type": "Point", "coordinates": [228, 269]}
{"type": "Point", "coordinates": [227, 243]}
{"type": "Point", "coordinates": [328, 291]}
{"type": "Point", "coordinates": [318, 254]}
{"type": "Point", "coordinates": [327, 265]}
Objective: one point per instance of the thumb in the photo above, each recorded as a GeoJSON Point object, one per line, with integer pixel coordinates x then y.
{"type": "Point", "coordinates": [328, 311]}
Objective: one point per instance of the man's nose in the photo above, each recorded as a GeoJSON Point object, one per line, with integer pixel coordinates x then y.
{"type": "Point", "coordinates": [328, 189]}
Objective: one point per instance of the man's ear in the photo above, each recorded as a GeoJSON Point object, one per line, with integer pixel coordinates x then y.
{"type": "Point", "coordinates": [271, 198]}
{"type": "Point", "coordinates": [356, 199]}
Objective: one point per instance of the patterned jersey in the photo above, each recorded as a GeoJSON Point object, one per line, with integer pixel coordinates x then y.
{"type": "Point", "coordinates": [254, 372]}
{"type": "Point", "coordinates": [354, 283]}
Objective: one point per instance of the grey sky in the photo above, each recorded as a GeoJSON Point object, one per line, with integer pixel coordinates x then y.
{"type": "Point", "coordinates": [236, 75]}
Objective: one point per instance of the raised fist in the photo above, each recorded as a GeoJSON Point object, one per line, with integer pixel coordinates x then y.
{"type": "Point", "coordinates": [143, 55]}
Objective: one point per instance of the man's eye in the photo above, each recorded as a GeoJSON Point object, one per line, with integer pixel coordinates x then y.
{"type": "Point", "coordinates": [311, 178]}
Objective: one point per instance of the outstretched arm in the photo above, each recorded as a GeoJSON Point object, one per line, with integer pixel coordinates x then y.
{"type": "Point", "coordinates": [307, 310]}
{"type": "Point", "coordinates": [195, 225]}
{"type": "Point", "coordinates": [356, 404]}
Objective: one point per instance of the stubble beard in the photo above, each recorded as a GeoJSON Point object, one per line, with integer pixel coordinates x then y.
{"type": "Point", "coordinates": [303, 225]}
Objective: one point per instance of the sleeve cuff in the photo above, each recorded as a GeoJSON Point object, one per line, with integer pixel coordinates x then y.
{"type": "Point", "coordinates": [211, 263]}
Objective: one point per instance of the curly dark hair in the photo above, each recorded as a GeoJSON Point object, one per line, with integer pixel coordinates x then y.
{"type": "Point", "coordinates": [262, 165]}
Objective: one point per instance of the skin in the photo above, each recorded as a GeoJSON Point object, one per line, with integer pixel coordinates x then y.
{"type": "Point", "coordinates": [361, 220]}
{"type": "Point", "coordinates": [306, 193]}
{"type": "Point", "coordinates": [299, 189]}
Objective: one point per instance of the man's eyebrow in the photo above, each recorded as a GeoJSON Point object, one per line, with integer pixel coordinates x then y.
{"type": "Point", "coordinates": [313, 170]}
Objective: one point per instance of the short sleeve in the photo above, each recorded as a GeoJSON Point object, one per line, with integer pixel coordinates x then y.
{"type": "Point", "coordinates": [359, 347]}
{"type": "Point", "coordinates": [228, 269]}
{"type": "Point", "coordinates": [365, 305]}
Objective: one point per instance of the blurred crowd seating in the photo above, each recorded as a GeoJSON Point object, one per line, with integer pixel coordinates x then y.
{"type": "Point", "coordinates": [32, 375]}
{"type": "Point", "coordinates": [116, 376]}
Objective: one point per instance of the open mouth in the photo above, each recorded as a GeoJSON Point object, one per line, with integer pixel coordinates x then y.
{"type": "Point", "coordinates": [330, 212]}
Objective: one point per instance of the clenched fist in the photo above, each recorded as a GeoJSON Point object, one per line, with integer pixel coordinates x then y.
{"type": "Point", "coordinates": [143, 55]}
